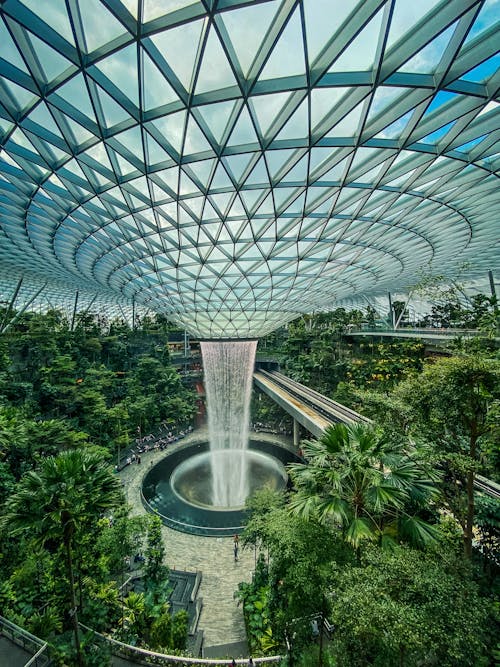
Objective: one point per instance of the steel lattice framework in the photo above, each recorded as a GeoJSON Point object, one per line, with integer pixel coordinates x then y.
{"type": "Point", "coordinates": [233, 164]}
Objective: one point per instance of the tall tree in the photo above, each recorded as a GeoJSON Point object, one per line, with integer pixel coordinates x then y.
{"type": "Point", "coordinates": [54, 504]}
{"type": "Point", "coordinates": [452, 404]}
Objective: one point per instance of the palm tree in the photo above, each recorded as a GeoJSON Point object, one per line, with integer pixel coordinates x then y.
{"type": "Point", "coordinates": [363, 483]}
{"type": "Point", "coordinates": [59, 501]}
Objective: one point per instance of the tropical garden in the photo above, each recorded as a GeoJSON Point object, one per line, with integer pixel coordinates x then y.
{"type": "Point", "coordinates": [384, 553]}
{"type": "Point", "coordinates": [72, 400]}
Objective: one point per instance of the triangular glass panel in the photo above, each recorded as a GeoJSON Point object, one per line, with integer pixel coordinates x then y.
{"type": "Point", "coordinates": [287, 57]}
{"type": "Point", "coordinates": [249, 197]}
{"type": "Point", "coordinates": [98, 154]}
{"type": "Point", "coordinates": [21, 97]}
{"type": "Point", "coordinates": [322, 22]}
{"type": "Point", "coordinates": [383, 98]}
{"type": "Point", "coordinates": [168, 177]}
{"type": "Point", "coordinates": [266, 109]}
{"type": "Point", "coordinates": [258, 175]}
{"type": "Point", "coordinates": [267, 206]}
{"type": "Point", "coordinates": [281, 195]}
{"type": "Point", "coordinates": [486, 18]}
{"type": "Point", "coordinates": [215, 71]}
{"type": "Point", "coordinates": [220, 179]}
{"type": "Point", "coordinates": [156, 89]}
{"type": "Point", "coordinates": [124, 166]}
{"type": "Point", "coordinates": [348, 126]}
{"type": "Point", "coordinates": [42, 117]}
{"type": "Point", "coordinates": [187, 186]}
{"type": "Point", "coordinates": [74, 92]}
{"type": "Point", "coordinates": [298, 172]}
{"type": "Point", "coordinates": [9, 50]}
{"type": "Point", "coordinates": [152, 9]}
{"type": "Point", "coordinates": [113, 113]}
{"type": "Point", "coordinates": [132, 141]}
{"type": "Point", "coordinates": [80, 134]}
{"type": "Point", "coordinates": [335, 173]}
{"type": "Point", "coordinates": [236, 209]}
{"type": "Point", "coordinates": [439, 99]}
{"type": "Point", "coordinates": [121, 69]}
{"type": "Point", "coordinates": [427, 60]}
{"type": "Point", "coordinates": [246, 43]}
{"type": "Point", "coordinates": [156, 153]}
{"type": "Point", "coordinates": [277, 159]}
{"type": "Point", "coordinates": [99, 26]}
{"type": "Point", "coordinates": [131, 6]}
{"type": "Point", "coordinates": [54, 14]}
{"type": "Point", "coordinates": [243, 132]}
{"type": "Point", "coordinates": [216, 116]}
{"type": "Point", "coordinates": [436, 136]}
{"type": "Point", "coordinates": [237, 164]}
{"type": "Point", "coordinates": [209, 213]}
{"type": "Point", "coordinates": [297, 127]}
{"type": "Point", "coordinates": [179, 47]}
{"type": "Point", "coordinates": [395, 129]}
{"type": "Point", "coordinates": [466, 148]}
{"type": "Point", "coordinates": [195, 142]}
{"type": "Point", "coordinates": [221, 201]}
{"type": "Point", "coordinates": [318, 156]}
{"type": "Point", "coordinates": [201, 170]}
{"type": "Point", "coordinates": [359, 56]}
{"type": "Point", "coordinates": [195, 205]}
{"type": "Point", "coordinates": [324, 101]}
{"type": "Point", "coordinates": [172, 128]}
{"type": "Point", "coordinates": [405, 16]}
{"type": "Point", "coordinates": [484, 71]}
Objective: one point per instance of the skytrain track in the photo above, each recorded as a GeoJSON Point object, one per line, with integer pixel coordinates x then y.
{"type": "Point", "coordinates": [337, 412]}
{"type": "Point", "coordinates": [487, 486]}
{"type": "Point", "coordinates": [324, 406]}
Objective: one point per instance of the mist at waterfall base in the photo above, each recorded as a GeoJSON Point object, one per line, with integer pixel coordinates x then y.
{"type": "Point", "coordinates": [228, 371]}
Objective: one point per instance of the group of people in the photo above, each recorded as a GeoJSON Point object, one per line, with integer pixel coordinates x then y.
{"type": "Point", "coordinates": [258, 427]}
{"type": "Point", "coordinates": [150, 443]}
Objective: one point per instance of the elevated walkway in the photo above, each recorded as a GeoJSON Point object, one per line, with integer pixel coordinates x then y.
{"type": "Point", "coordinates": [436, 336]}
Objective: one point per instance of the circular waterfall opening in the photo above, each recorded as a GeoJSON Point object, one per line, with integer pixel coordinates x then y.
{"type": "Point", "coordinates": [192, 480]}
{"type": "Point", "coordinates": [179, 487]}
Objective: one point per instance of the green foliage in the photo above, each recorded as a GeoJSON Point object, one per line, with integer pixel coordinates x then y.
{"type": "Point", "coordinates": [406, 608]}
{"type": "Point", "coordinates": [368, 485]}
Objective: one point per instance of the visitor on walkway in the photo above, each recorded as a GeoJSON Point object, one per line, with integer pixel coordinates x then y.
{"type": "Point", "coordinates": [235, 551]}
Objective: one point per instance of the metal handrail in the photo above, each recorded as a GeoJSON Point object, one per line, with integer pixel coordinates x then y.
{"type": "Point", "coordinates": [34, 659]}
{"type": "Point", "coordinates": [23, 638]}
{"type": "Point", "coordinates": [176, 659]}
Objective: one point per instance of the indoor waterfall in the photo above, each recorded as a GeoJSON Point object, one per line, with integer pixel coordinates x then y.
{"type": "Point", "coordinates": [228, 369]}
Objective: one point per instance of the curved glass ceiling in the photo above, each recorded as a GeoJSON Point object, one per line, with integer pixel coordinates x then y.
{"type": "Point", "coordinates": [233, 164]}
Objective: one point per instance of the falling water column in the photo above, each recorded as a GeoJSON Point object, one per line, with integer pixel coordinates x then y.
{"type": "Point", "coordinates": [228, 369]}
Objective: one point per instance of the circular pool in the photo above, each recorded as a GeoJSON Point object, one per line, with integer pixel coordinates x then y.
{"type": "Point", "coordinates": [179, 487]}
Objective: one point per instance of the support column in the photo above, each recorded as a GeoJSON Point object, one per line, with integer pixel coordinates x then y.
{"type": "Point", "coordinates": [492, 284]}
{"type": "Point", "coordinates": [296, 433]}
{"type": "Point", "coordinates": [391, 312]}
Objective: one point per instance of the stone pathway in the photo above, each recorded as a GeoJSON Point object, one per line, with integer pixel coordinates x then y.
{"type": "Point", "coordinates": [221, 619]}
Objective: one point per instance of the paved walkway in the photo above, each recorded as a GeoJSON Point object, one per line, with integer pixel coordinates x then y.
{"type": "Point", "coordinates": [221, 619]}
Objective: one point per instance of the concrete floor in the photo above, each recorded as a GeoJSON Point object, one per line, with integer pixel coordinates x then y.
{"type": "Point", "coordinates": [221, 618]}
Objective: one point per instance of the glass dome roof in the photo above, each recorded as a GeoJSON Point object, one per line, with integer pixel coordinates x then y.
{"type": "Point", "coordinates": [233, 164]}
